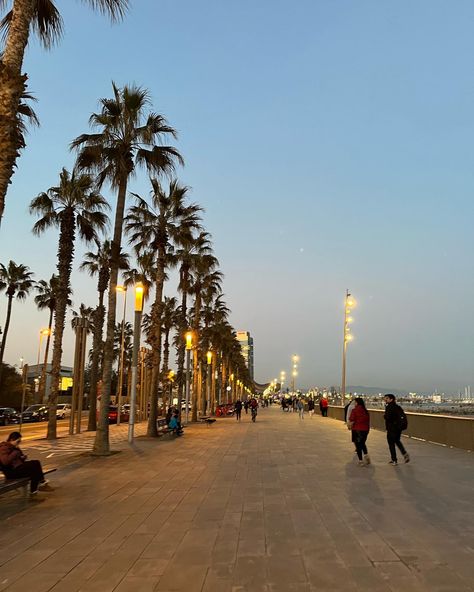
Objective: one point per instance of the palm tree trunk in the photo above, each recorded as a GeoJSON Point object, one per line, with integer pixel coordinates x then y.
{"type": "Point", "coordinates": [197, 395]}
{"type": "Point", "coordinates": [101, 442]}
{"type": "Point", "coordinates": [99, 317]}
{"type": "Point", "coordinates": [164, 370]}
{"type": "Point", "coordinates": [181, 349]}
{"type": "Point", "coordinates": [42, 384]}
{"type": "Point", "coordinates": [152, 429]}
{"type": "Point", "coordinates": [12, 85]}
{"type": "Point", "coordinates": [5, 333]}
{"type": "Point", "coordinates": [65, 257]}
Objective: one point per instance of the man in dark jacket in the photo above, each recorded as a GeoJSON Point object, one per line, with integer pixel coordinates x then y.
{"type": "Point", "coordinates": [394, 431]}
{"type": "Point", "coordinates": [15, 466]}
{"type": "Point", "coordinates": [238, 409]}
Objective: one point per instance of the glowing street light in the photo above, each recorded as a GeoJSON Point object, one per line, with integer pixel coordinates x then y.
{"type": "Point", "coordinates": [350, 303]}
{"type": "Point", "coordinates": [139, 292]}
{"type": "Point", "coordinates": [123, 290]}
{"type": "Point", "coordinates": [189, 346]}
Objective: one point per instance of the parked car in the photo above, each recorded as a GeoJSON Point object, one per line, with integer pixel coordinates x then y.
{"type": "Point", "coordinates": [113, 413]}
{"type": "Point", "coordinates": [63, 410]}
{"type": "Point", "coordinates": [35, 413]}
{"type": "Point", "coordinates": [8, 415]}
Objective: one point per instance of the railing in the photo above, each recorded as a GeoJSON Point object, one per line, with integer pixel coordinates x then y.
{"type": "Point", "coordinates": [457, 432]}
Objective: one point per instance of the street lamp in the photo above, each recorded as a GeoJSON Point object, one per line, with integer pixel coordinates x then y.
{"type": "Point", "coordinates": [295, 359]}
{"type": "Point", "coordinates": [136, 346]}
{"type": "Point", "coordinates": [122, 289]}
{"type": "Point", "coordinates": [208, 381]}
{"type": "Point", "coordinates": [282, 380]}
{"type": "Point", "coordinates": [348, 306]}
{"type": "Point", "coordinates": [189, 346]}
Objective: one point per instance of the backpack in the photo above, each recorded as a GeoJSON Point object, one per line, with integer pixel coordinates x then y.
{"type": "Point", "coordinates": [402, 419]}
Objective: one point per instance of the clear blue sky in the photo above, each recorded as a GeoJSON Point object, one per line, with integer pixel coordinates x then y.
{"type": "Point", "coordinates": [331, 144]}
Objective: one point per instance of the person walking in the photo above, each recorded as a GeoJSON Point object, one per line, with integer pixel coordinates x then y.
{"type": "Point", "coordinates": [324, 407]}
{"type": "Point", "coordinates": [311, 407]}
{"type": "Point", "coordinates": [246, 407]}
{"type": "Point", "coordinates": [300, 407]}
{"type": "Point", "coordinates": [347, 413]}
{"type": "Point", "coordinates": [15, 465]}
{"type": "Point", "coordinates": [238, 409]}
{"type": "Point", "coordinates": [360, 425]}
{"type": "Point", "coordinates": [395, 423]}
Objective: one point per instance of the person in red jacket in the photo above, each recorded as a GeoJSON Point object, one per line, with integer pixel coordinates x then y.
{"type": "Point", "coordinates": [324, 404]}
{"type": "Point", "coordinates": [360, 426]}
{"type": "Point", "coordinates": [14, 465]}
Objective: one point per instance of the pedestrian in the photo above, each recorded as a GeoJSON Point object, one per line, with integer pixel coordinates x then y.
{"type": "Point", "coordinates": [359, 420]}
{"type": "Point", "coordinates": [246, 407]}
{"type": "Point", "coordinates": [395, 422]}
{"type": "Point", "coordinates": [293, 404]}
{"type": "Point", "coordinates": [14, 464]}
{"type": "Point", "coordinates": [347, 413]}
{"type": "Point", "coordinates": [311, 407]}
{"type": "Point", "coordinates": [238, 409]}
{"type": "Point", "coordinates": [283, 404]}
{"type": "Point", "coordinates": [175, 424]}
{"type": "Point", "coordinates": [324, 407]}
{"type": "Point", "coordinates": [300, 407]}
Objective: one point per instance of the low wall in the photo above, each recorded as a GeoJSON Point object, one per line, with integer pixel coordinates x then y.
{"type": "Point", "coordinates": [441, 429]}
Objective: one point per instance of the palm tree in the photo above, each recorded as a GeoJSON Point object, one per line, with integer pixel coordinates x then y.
{"type": "Point", "coordinates": [191, 249]}
{"type": "Point", "coordinates": [169, 318]}
{"type": "Point", "coordinates": [158, 227]}
{"type": "Point", "coordinates": [44, 19]}
{"type": "Point", "coordinates": [98, 263]}
{"type": "Point", "coordinates": [128, 138]}
{"type": "Point", "coordinates": [76, 208]}
{"type": "Point", "coordinates": [84, 312]}
{"type": "Point", "coordinates": [46, 299]}
{"type": "Point", "coordinates": [17, 281]}
{"type": "Point", "coordinates": [206, 282]}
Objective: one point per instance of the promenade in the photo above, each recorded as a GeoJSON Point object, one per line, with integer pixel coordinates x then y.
{"type": "Point", "coordinates": [276, 506]}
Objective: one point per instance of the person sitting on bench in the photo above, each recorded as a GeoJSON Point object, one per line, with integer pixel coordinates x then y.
{"type": "Point", "coordinates": [175, 424]}
{"type": "Point", "coordinates": [14, 465]}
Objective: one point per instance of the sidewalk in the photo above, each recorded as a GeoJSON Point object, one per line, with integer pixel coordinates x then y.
{"type": "Point", "coordinates": [276, 506]}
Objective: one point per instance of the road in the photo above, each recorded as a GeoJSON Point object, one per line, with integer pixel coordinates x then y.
{"type": "Point", "coordinates": [37, 430]}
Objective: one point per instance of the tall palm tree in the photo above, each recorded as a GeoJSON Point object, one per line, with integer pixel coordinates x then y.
{"type": "Point", "coordinates": [128, 138]}
{"type": "Point", "coordinates": [17, 281]}
{"type": "Point", "coordinates": [191, 249]}
{"type": "Point", "coordinates": [97, 263]}
{"type": "Point", "coordinates": [84, 312]}
{"type": "Point", "coordinates": [206, 281]}
{"type": "Point", "coordinates": [46, 299]}
{"type": "Point", "coordinates": [169, 318]}
{"type": "Point", "coordinates": [158, 227]}
{"type": "Point", "coordinates": [76, 208]}
{"type": "Point", "coordinates": [44, 19]}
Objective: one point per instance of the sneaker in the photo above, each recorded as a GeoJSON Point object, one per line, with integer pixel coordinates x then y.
{"type": "Point", "coordinates": [367, 459]}
{"type": "Point", "coordinates": [33, 492]}
{"type": "Point", "coordinates": [44, 482]}
{"type": "Point", "coordinates": [361, 463]}
{"type": "Point", "coordinates": [406, 456]}
{"type": "Point", "coordinates": [393, 462]}
{"type": "Point", "coordinates": [45, 487]}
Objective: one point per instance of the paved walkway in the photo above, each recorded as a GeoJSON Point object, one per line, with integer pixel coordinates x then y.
{"type": "Point", "coordinates": [278, 506]}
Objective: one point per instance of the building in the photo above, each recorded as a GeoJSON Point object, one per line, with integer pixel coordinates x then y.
{"type": "Point", "coordinates": [246, 346]}
{"type": "Point", "coordinates": [33, 378]}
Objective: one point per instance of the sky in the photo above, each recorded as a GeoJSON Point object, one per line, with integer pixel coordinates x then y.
{"type": "Point", "coordinates": [331, 144]}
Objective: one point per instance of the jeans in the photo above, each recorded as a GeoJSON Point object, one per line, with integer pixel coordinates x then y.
{"type": "Point", "coordinates": [30, 468]}
{"type": "Point", "coordinates": [393, 439]}
{"type": "Point", "coordinates": [359, 439]}
{"type": "Point", "coordinates": [301, 412]}
{"type": "Point", "coordinates": [238, 413]}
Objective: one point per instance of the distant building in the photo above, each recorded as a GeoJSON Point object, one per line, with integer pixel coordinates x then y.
{"type": "Point", "coordinates": [65, 386]}
{"type": "Point", "coordinates": [246, 346]}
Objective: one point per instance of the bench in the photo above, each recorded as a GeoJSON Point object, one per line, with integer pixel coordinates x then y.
{"type": "Point", "coordinates": [163, 428]}
{"type": "Point", "coordinates": [12, 484]}
{"type": "Point", "coordinates": [207, 420]}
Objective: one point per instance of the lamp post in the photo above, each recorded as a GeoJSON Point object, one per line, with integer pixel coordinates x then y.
{"type": "Point", "coordinates": [189, 347]}
{"type": "Point", "coordinates": [348, 306]}
{"type": "Point", "coordinates": [42, 333]}
{"type": "Point", "coordinates": [208, 381]}
{"type": "Point", "coordinates": [295, 359]}
{"type": "Point", "coordinates": [122, 289]}
{"type": "Point", "coordinates": [136, 348]}
{"type": "Point", "coordinates": [282, 380]}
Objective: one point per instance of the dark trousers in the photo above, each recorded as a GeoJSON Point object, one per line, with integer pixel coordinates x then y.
{"type": "Point", "coordinates": [393, 439]}
{"type": "Point", "coordinates": [359, 439]}
{"type": "Point", "coordinates": [31, 469]}
{"type": "Point", "coordinates": [238, 413]}
{"type": "Point", "coordinates": [324, 411]}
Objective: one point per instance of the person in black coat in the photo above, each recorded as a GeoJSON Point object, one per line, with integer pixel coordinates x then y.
{"type": "Point", "coordinates": [392, 417]}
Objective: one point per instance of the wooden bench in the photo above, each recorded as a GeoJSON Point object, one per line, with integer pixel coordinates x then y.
{"type": "Point", "coordinates": [163, 428]}
{"type": "Point", "coordinates": [12, 484]}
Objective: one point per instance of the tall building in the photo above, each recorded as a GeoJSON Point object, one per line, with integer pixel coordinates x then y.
{"type": "Point", "coordinates": [246, 346]}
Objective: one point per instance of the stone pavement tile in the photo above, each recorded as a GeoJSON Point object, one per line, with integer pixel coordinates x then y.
{"type": "Point", "coordinates": [250, 571]}
{"type": "Point", "coordinates": [290, 571]}
{"type": "Point", "coordinates": [329, 577]}
{"type": "Point", "coordinates": [61, 562]}
{"type": "Point", "coordinates": [399, 577]}
{"type": "Point", "coordinates": [23, 563]}
{"type": "Point", "coordinates": [368, 579]}
{"type": "Point", "coordinates": [137, 584]}
{"type": "Point", "coordinates": [251, 546]}
{"type": "Point", "coordinates": [179, 577]}
{"type": "Point", "coordinates": [148, 567]}
{"type": "Point", "coordinates": [73, 580]}
{"type": "Point", "coordinates": [441, 578]}
{"type": "Point", "coordinates": [32, 581]}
